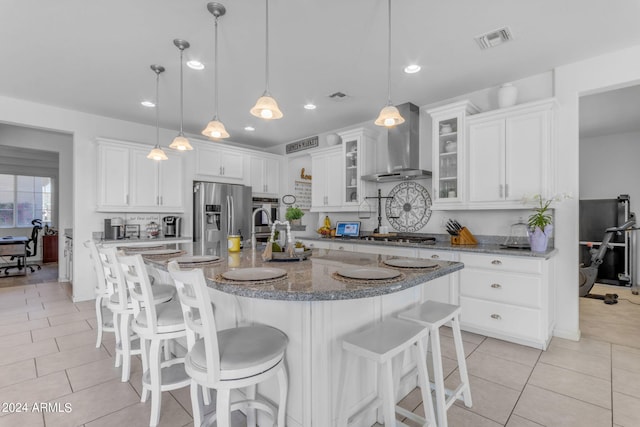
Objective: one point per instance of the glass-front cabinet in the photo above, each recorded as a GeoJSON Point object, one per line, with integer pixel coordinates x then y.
{"type": "Point", "coordinates": [358, 148]}
{"type": "Point", "coordinates": [448, 136]}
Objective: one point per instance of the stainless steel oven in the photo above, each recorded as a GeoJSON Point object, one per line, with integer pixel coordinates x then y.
{"type": "Point", "coordinates": [271, 204]}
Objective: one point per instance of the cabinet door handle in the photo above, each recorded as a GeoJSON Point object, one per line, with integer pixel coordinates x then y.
{"type": "Point", "coordinates": [127, 199]}
{"type": "Point", "coordinates": [341, 248]}
{"type": "Point", "coordinates": [496, 285]}
{"type": "Point", "coordinates": [161, 200]}
{"type": "Point", "coordinates": [506, 190]}
{"type": "Point", "coordinates": [496, 262]}
{"type": "Point", "coordinates": [496, 316]}
{"type": "Point", "coordinates": [435, 256]}
{"type": "Point", "coordinates": [501, 191]}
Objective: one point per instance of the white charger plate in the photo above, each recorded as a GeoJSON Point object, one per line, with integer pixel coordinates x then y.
{"type": "Point", "coordinates": [368, 273]}
{"type": "Point", "coordinates": [254, 274]}
{"type": "Point", "coordinates": [410, 263]}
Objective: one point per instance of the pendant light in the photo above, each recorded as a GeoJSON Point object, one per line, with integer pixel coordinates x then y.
{"type": "Point", "coordinates": [180, 142]}
{"type": "Point", "coordinates": [215, 129]}
{"type": "Point", "coordinates": [266, 107]}
{"type": "Point", "coordinates": [157, 153]}
{"type": "Point", "coordinates": [389, 115]}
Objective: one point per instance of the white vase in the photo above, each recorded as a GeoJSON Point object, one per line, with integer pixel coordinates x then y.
{"type": "Point", "coordinates": [507, 95]}
{"type": "Point", "coordinates": [333, 139]}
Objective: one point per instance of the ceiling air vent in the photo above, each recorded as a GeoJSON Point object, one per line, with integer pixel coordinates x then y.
{"type": "Point", "coordinates": [494, 38]}
{"type": "Point", "coordinates": [337, 96]}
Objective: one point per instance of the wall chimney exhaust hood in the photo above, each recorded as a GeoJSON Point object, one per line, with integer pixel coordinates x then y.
{"type": "Point", "coordinates": [403, 149]}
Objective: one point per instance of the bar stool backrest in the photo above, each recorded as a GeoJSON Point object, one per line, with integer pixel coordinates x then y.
{"type": "Point", "coordinates": [101, 285]}
{"type": "Point", "coordinates": [197, 309]}
{"type": "Point", "coordinates": [114, 278]}
{"type": "Point", "coordinates": [139, 286]}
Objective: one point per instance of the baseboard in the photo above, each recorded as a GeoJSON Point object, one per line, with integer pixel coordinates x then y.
{"type": "Point", "coordinates": [573, 335]}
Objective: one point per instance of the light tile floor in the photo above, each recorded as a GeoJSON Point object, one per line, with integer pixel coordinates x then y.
{"type": "Point", "coordinates": [48, 354]}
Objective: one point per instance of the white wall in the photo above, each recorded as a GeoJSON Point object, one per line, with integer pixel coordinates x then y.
{"type": "Point", "coordinates": [594, 75]}
{"type": "Point", "coordinates": [609, 167]}
{"type": "Point", "coordinates": [62, 143]}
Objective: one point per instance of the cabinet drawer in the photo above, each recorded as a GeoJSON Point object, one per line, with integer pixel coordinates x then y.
{"type": "Point", "coordinates": [518, 289]}
{"type": "Point", "coordinates": [437, 255]}
{"type": "Point", "coordinates": [502, 263]}
{"type": "Point", "coordinates": [500, 318]}
{"type": "Point", "coordinates": [339, 246]}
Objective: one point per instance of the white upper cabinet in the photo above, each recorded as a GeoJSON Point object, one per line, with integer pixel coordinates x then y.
{"type": "Point", "coordinates": [326, 185]}
{"type": "Point", "coordinates": [509, 155]}
{"type": "Point", "coordinates": [337, 185]}
{"type": "Point", "coordinates": [220, 163]}
{"type": "Point", "coordinates": [265, 175]}
{"type": "Point", "coordinates": [129, 182]}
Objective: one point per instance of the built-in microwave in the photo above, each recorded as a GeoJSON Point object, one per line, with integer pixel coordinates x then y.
{"type": "Point", "coordinates": [271, 204]}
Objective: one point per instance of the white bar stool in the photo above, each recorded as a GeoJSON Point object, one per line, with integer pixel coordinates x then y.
{"type": "Point", "coordinates": [380, 344]}
{"type": "Point", "coordinates": [104, 316]}
{"type": "Point", "coordinates": [155, 325]}
{"type": "Point", "coordinates": [433, 315]}
{"type": "Point", "coordinates": [228, 359]}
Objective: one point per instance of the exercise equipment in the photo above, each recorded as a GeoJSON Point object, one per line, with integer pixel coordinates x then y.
{"type": "Point", "coordinates": [587, 275]}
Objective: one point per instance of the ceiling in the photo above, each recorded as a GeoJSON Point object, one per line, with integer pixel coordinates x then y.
{"type": "Point", "coordinates": [94, 56]}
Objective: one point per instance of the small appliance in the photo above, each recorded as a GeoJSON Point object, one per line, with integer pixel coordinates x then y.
{"type": "Point", "coordinates": [113, 229]}
{"type": "Point", "coordinates": [171, 226]}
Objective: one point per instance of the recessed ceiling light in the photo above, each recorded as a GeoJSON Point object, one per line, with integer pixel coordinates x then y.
{"type": "Point", "coordinates": [310, 106]}
{"type": "Point", "coordinates": [411, 69]}
{"type": "Point", "coordinates": [249, 128]}
{"type": "Point", "coordinates": [148, 104]}
{"type": "Point", "coordinates": [195, 65]}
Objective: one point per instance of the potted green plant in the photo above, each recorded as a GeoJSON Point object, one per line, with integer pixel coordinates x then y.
{"type": "Point", "coordinates": [539, 222]}
{"type": "Point", "coordinates": [294, 215]}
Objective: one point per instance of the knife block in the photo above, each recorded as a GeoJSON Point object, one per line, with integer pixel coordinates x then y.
{"type": "Point", "coordinates": [464, 237]}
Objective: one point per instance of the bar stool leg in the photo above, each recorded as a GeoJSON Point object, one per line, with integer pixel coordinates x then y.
{"type": "Point", "coordinates": [388, 400]}
{"type": "Point", "coordinates": [198, 409]}
{"type": "Point", "coordinates": [251, 413]}
{"type": "Point", "coordinates": [420, 355]}
{"type": "Point", "coordinates": [436, 353]}
{"type": "Point", "coordinates": [144, 347]}
{"type": "Point", "coordinates": [223, 408]}
{"type": "Point", "coordinates": [462, 363]}
{"type": "Point", "coordinates": [126, 347]}
{"type": "Point", "coordinates": [99, 320]}
{"type": "Point", "coordinates": [156, 380]}
{"type": "Point", "coordinates": [283, 383]}
{"type": "Point", "coordinates": [116, 330]}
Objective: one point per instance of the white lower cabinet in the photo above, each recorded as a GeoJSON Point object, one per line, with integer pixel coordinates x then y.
{"type": "Point", "coordinates": [508, 298]}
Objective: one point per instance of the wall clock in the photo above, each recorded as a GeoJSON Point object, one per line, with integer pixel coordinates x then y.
{"type": "Point", "coordinates": [409, 207]}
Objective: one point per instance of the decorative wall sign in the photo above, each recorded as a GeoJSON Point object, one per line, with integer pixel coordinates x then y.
{"type": "Point", "coordinates": [409, 207]}
{"type": "Point", "coordinates": [304, 175]}
{"type": "Point", "coordinates": [302, 192]}
{"type": "Point", "coordinates": [303, 144]}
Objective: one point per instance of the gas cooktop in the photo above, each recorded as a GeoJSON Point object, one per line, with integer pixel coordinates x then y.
{"type": "Point", "coordinates": [402, 238]}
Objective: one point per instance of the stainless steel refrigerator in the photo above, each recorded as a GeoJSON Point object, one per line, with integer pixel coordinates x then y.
{"type": "Point", "coordinates": [218, 211]}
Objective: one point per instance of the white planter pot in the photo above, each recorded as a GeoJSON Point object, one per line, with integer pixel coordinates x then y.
{"type": "Point", "coordinates": [507, 95]}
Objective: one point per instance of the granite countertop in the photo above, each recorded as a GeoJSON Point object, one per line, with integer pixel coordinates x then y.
{"type": "Point", "coordinates": [311, 280]}
{"type": "Point", "coordinates": [486, 248]}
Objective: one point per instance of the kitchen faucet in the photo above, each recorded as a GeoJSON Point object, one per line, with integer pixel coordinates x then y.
{"type": "Point", "coordinates": [253, 225]}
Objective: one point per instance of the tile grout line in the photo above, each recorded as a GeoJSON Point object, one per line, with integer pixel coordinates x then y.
{"type": "Point", "coordinates": [523, 388]}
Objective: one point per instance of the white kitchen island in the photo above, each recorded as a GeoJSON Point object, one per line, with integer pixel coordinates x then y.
{"type": "Point", "coordinates": [316, 310]}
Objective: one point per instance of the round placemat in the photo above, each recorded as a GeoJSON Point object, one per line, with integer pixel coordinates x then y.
{"type": "Point", "coordinates": [343, 279]}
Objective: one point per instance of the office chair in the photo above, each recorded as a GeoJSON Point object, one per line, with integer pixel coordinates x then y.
{"type": "Point", "coordinates": [31, 250]}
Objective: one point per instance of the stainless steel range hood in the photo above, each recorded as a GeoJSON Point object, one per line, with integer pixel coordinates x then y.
{"type": "Point", "coordinates": [403, 149]}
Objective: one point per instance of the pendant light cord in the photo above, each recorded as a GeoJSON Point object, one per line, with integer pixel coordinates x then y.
{"type": "Point", "coordinates": [266, 38]}
{"type": "Point", "coordinates": [157, 109]}
{"type": "Point", "coordinates": [389, 57]}
{"type": "Point", "coordinates": [215, 68]}
{"type": "Point", "coordinates": [181, 95]}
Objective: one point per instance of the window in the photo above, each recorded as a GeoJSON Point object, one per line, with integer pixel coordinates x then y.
{"type": "Point", "coordinates": [23, 199]}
